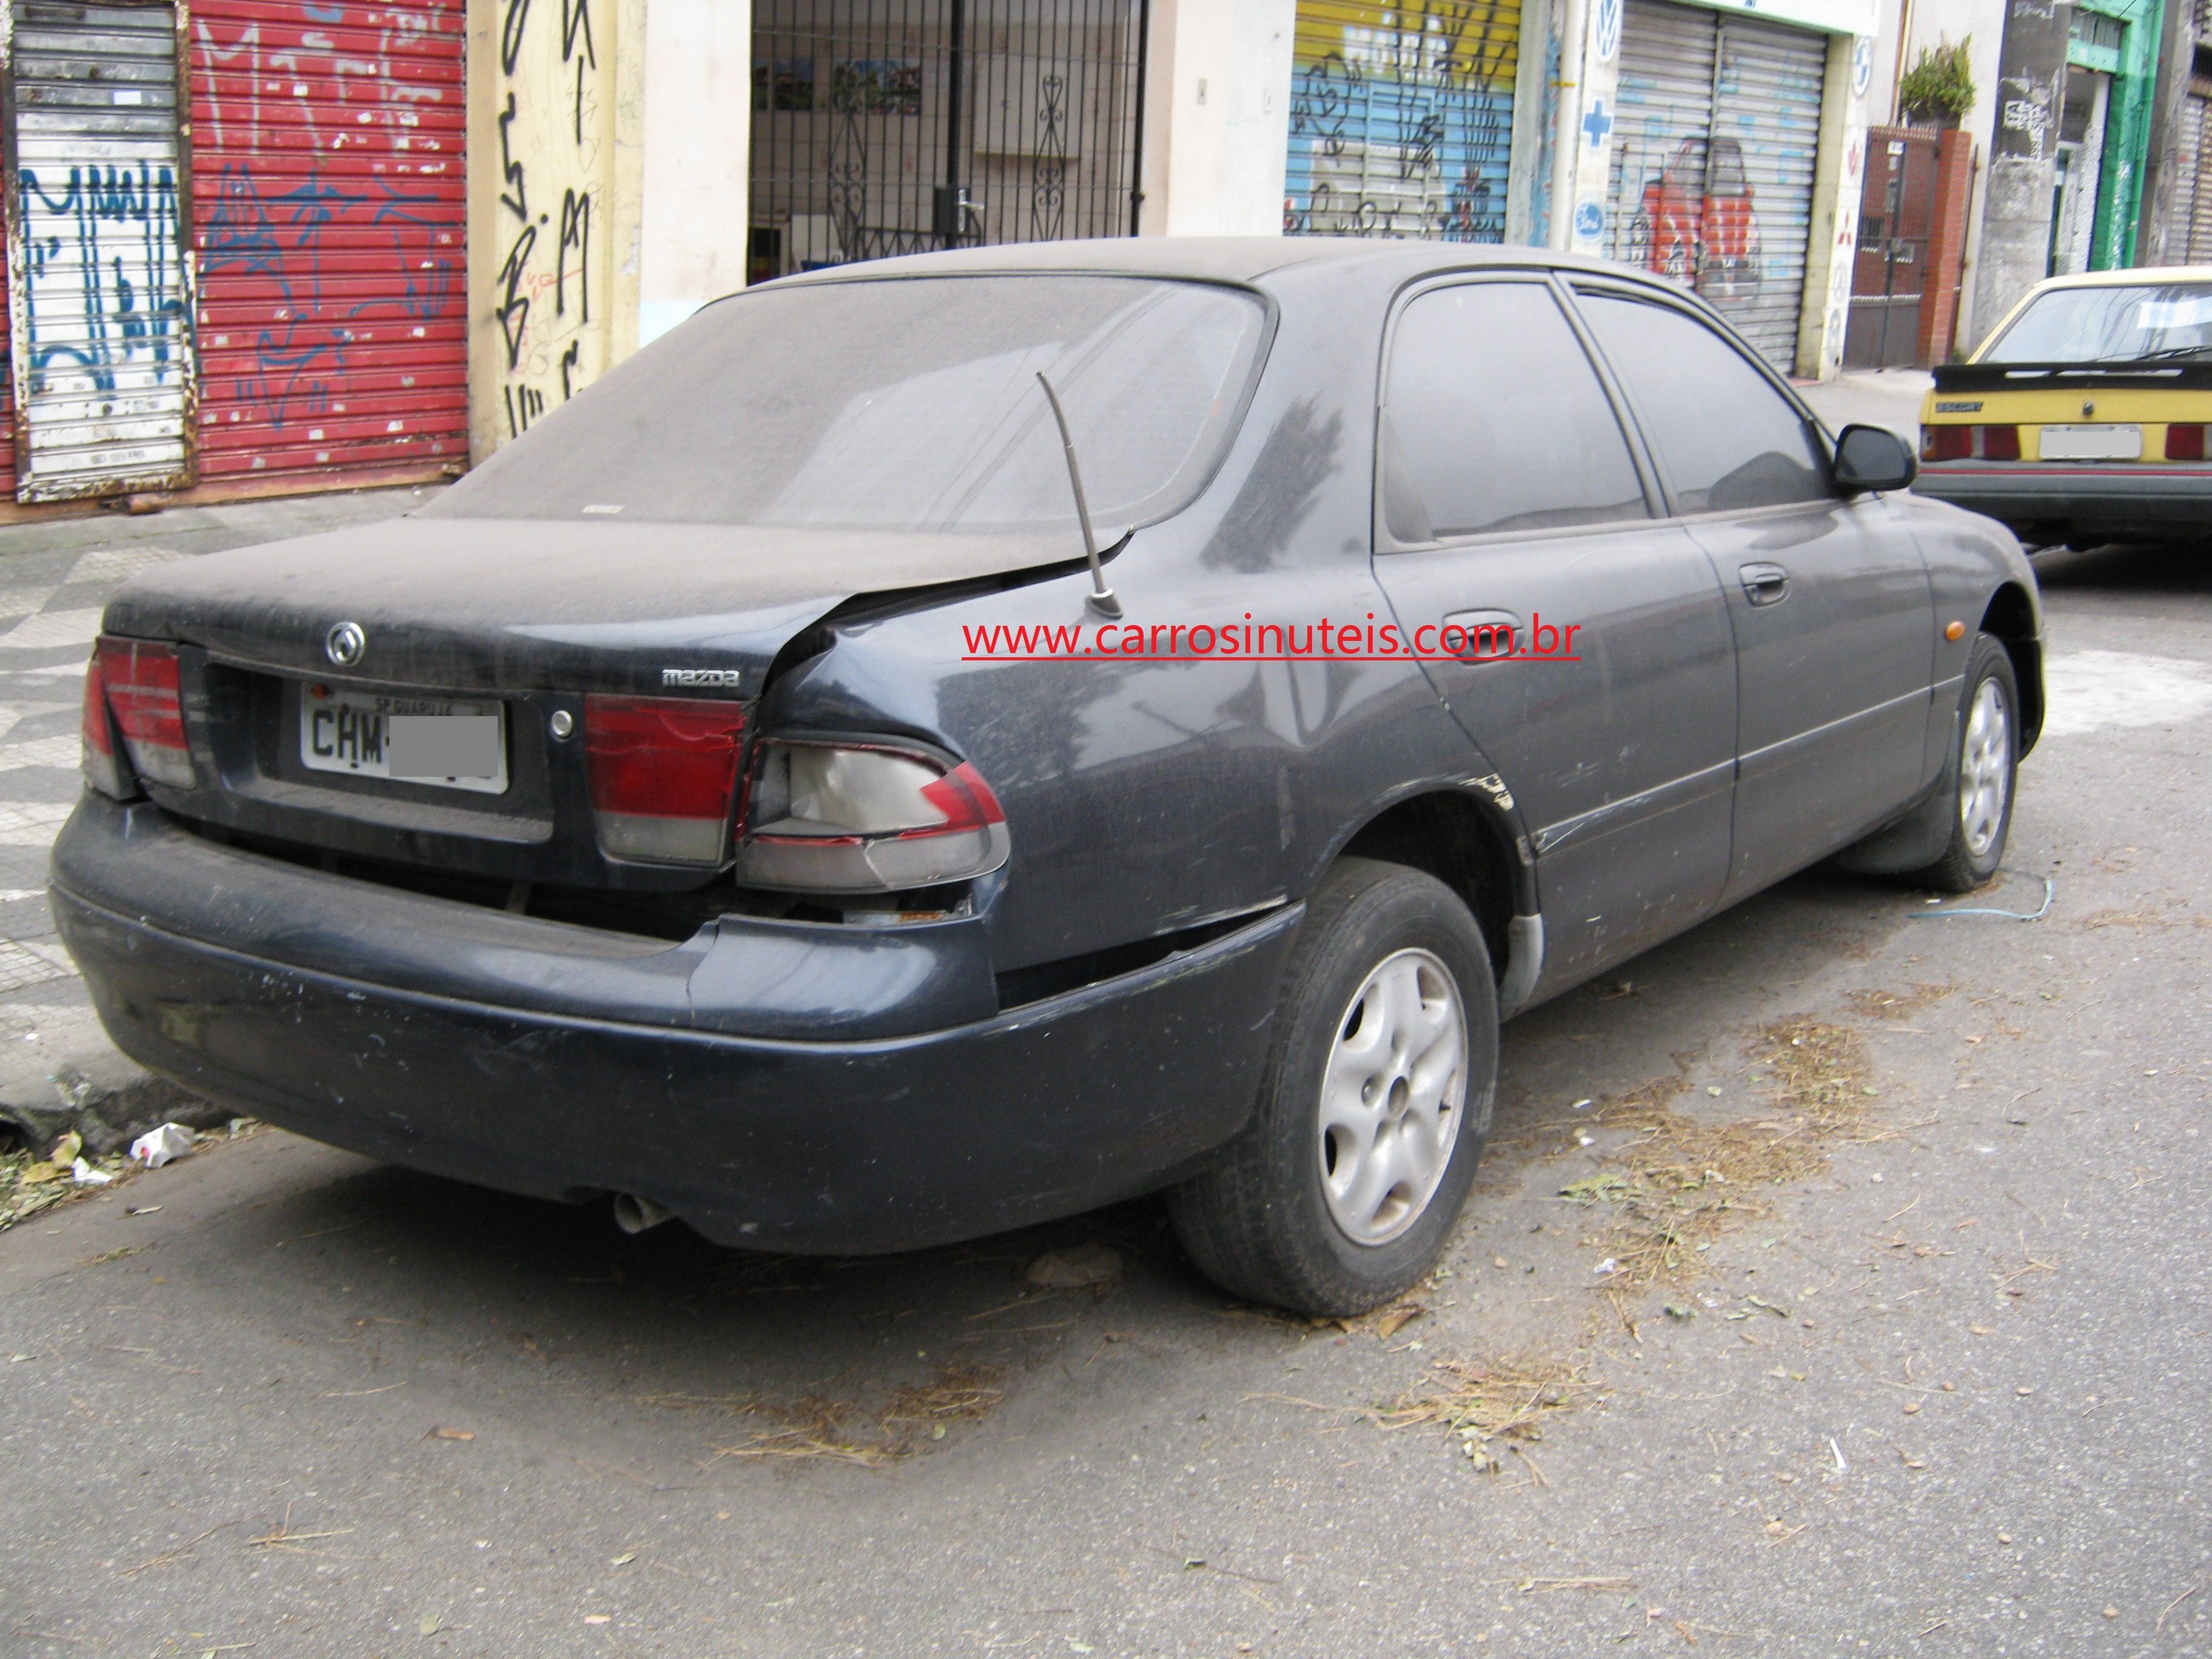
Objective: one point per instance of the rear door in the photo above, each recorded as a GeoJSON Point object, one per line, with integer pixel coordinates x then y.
{"type": "Point", "coordinates": [1829, 599]}
{"type": "Point", "coordinates": [1514, 499]}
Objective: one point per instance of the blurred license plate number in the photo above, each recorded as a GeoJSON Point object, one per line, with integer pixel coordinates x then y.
{"type": "Point", "coordinates": [451, 745]}
{"type": "Point", "coordinates": [2091, 443]}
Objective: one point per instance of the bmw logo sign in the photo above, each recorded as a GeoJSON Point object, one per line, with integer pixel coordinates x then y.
{"type": "Point", "coordinates": [344, 644]}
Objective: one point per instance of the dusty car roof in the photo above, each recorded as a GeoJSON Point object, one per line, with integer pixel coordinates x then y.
{"type": "Point", "coordinates": [2133, 276]}
{"type": "Point", "coordinates": [1220, 258]}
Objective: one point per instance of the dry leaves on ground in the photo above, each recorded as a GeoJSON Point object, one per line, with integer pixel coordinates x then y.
{"type": "Point", "coordinates": [1686, 1180]}
{"type": "Point", "coordinates": [898, 1426]}
{"type": "Point", "coordinates": [1493, 1405]}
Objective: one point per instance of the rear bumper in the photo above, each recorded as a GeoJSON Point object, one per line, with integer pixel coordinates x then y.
{"type": "Point", "coordinates": [2120, 501]}
{"type": "Point", "coordinates": [551, 1061]}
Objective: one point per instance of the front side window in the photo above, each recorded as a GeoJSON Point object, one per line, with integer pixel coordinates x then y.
{"type": "Point", "coordinates": [1729, 441]}
{"type": "Point", "coordinates": [907, 404]}
{"type": "Point", "coordinates": [2117, 324]}
{"type": "Point", "coordinates": [1494, 420]}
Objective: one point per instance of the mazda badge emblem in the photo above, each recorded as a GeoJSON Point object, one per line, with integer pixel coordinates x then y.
{"type": "Point", "coordinates": [344, 644]}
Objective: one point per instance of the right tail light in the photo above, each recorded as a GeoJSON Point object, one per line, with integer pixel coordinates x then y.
{"type": "Point", "coordinates": [863, 817]}
{"type": "Point", "coordinates": [2185, 442]}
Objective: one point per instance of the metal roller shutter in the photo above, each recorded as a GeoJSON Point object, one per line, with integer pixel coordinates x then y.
{"type": "Point", "coordinates": [1714, 157]}
{"type": "Point", "coordinates": [1663, 119]}
{"type": "Point", "coordinates": [1401, 120]}
{"type": "Point", "coordinates": [1767, 103]}
{"type": "Point", "coordinates": [328, 167]}
{"type": "Point", "coordinates": [2198, 179]}
{"type": "Point", "coordinates": [99, 306]}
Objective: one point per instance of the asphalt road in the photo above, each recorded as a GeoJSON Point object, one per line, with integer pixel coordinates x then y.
{"type": "Point", "coordinates": [1943, 1390]}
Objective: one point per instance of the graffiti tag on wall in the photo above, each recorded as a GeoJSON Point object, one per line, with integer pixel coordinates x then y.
{"type": "Point", "coordinates": [543, 285]}
{"type": "Point", "coordinates": [104, 304]}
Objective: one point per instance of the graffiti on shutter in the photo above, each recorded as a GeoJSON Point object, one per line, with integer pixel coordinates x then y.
{"type": "Point", "coordinates": [1401, 118]}
{"type": "Point", "coordinates": [1713, 162]}
{"type": "Point", "coordinates": [540, 281]}
{"type": "Point", "coordinates": [331, 219]}
{"type": "Point", "coordinates": [101, 290]}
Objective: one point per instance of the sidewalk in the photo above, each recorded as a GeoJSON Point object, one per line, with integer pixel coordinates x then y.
{"type": "Point", "coordinates": [1886, 397]}
{"type": "Point", "coordinates": [54, 580]}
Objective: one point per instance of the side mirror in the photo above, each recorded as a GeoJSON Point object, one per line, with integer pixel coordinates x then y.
{"type": "Point", "coordinates": [1872, 457]}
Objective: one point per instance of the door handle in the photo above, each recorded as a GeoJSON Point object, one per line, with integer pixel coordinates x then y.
{"type": "Point", "coordinates": [1480, 636]}
{"type": "Point", "coordinates": [1764, 584]}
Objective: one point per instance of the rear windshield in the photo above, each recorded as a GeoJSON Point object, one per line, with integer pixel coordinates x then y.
{"type": "Point", "coordinates": [2169, 320]}
{"type": "Point", "coordinates": [899, 404]}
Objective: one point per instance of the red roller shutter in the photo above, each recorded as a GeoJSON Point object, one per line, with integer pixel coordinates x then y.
{"type": "Point", "coordinates": [328, 149]}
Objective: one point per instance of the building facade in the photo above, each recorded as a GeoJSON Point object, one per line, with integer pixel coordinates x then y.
{"type": "Point", "coordinates": [261, 245]}
{"type": "Point", "coordinates": [236, 247]}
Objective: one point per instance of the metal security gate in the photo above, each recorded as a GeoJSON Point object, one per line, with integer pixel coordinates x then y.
{"type": "Point", "coordinates": [100, 291]}
{"type": "Point", "coordinates": [329, 145]}
{"type": "Point", "coordinates": [1713, 162]}
{"type": "Point", "coordinates": [1401, 118]}
{"type": "Point", "coordinates": [1891, 269]}
{"type": "Point", "coordinates": [906, 126]}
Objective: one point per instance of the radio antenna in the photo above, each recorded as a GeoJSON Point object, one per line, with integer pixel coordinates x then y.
{"type": "Point", "coordinates": [1101, 598]}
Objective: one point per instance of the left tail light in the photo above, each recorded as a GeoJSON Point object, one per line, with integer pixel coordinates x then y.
{"type": "Point", "coordinates": [857, 817]}
{"type": "Point", "coordinates": [664, 774]}
{"type": "Point", "coordinates": [132, 690]}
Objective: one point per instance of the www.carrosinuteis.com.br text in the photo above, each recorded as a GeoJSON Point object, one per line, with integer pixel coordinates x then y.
{"type": "Point", "coordinates": [1245, 640]}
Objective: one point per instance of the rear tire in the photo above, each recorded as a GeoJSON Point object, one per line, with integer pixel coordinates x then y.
{"type": "Point", "coordinates": [1373, 1108]}
{"type": "Point", "coordinates": [1988, 770]}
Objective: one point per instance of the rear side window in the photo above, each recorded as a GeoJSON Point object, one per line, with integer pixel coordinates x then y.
{"type": "Point", "coordinates": [1727, 439]}
{"type": "Point", "coordinates": [1495, 419]}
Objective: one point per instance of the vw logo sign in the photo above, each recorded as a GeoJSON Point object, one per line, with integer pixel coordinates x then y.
{"type": "Point", "coordinates": [1609, 29]}
{"type": "Point", "coordinates": [344, 644]}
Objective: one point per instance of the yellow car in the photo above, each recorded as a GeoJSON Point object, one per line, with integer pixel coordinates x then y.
{"type": "Point", "coordinates": [2085, 416]}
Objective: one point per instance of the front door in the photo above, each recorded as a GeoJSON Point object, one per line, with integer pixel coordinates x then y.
{"type": "Point", "coordinates": [1514, 500]}
{"type": "Point", "coordinates": [1829, 600]}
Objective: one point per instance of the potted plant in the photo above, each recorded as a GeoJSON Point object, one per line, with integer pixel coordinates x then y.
{"type": "Point", "coordinates": [1939, 89]}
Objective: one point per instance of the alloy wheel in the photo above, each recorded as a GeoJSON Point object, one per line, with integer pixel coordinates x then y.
{"type": "Point", "coordinates": [1985, 767]}
{"type": "Point", "coordinates": [1392, 1097]}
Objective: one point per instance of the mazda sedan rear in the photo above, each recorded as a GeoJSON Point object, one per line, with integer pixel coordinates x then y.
{"type": "Point", "coordinates": [937, 746]}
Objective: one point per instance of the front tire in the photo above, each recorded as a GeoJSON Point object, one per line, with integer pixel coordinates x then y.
{"type": "Point", "coordinates": [1373, 1108]}
{"type": "Point", "coordinates": [1989, 765]}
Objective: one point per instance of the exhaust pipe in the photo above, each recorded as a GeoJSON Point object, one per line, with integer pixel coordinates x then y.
{"type": "Point", "coordinates": [633, 1214]}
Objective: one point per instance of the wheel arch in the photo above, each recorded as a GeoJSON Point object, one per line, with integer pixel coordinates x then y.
{"type": "Point", "coordinates": [2009, 618]}
{"type": "Point", "coordinates": [1467, 838]}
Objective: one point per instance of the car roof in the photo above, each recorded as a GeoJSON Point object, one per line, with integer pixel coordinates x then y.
{"type": "Point", "coordinates": [2133, 276]}
{"type": "Point", "coordinates": [1217, 258]}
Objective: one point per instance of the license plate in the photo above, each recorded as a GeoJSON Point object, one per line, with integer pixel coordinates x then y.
{"type": "Point", "coordinates": [2091, 443]}
{"type": "Point", "coordinates": [435, 740]}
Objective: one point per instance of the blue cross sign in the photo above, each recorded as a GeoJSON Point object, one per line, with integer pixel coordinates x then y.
{"type": "Point", "coordinates": [1598, 123]}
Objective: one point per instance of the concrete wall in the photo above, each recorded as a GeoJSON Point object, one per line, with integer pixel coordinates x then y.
{"type": "Point", "coordinates": [607, 176]}
{"type": "Point", "coordinates": [1838, 177]}
{"type": "Point", "coordinates": [1216, 118]}
{"type": "Point", "coordinates": [2031, 88]}
{"type": "Point", "coordinates": [697, 136]}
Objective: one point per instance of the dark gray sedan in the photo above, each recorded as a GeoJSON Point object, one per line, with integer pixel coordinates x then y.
{"type": "Point", "coordinates": [942, 745]}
